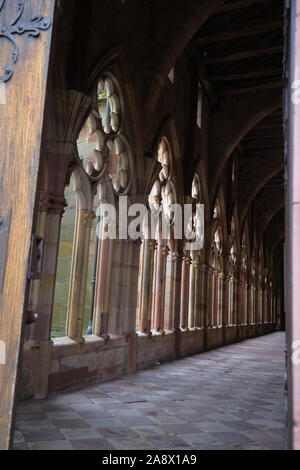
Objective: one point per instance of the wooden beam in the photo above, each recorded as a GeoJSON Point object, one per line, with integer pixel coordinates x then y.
{"type": "Point", "coordinates": [239, 33]}
{"type": "Point", "coordinates": [248, 144]}
{"type": "Point", "coordinates": [239, 91]}
{"type": "Point", "coordinates": [256, 133]}
{"type": "Point", "coordinates": [277, 146]}
{"type": "Point", "coordinates": [193, 54]}
{"type": "Point", "coordinates": [244, 55]}
{"type": "Point", "coordinates": [241, 150]}
{"type": "Point", "coordinates": [254, 136]}
{"type": "Point", "coordinates": [241, 4]}
{"type": "Point", "coordinates": [269, 126]}
{"type": "Point", "coordinates": [206, 84]}
{"type": "Point", "coordinates": [247, 75]}
{"type": "Point", "coordinates": [21, 120]}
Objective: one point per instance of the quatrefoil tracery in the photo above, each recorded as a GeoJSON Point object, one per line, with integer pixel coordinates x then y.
{"type": "Point", "coordinates": [163, 191]}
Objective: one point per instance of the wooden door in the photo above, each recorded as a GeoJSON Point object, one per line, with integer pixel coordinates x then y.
{"type": "Point", "coordinates": [26, 30]}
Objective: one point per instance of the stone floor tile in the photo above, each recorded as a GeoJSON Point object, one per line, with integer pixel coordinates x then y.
{"type": "Point", "coordinates": [168, 443]}
{"type": "Point", "coordinates": [43, 435]}
{"type": "Point", "coordinates": [228, 398]}
{"type": "Point", "coordinates": [182, 428]}
{"type": "Point", "coordinates": [50, 445]}
{"type": "Point", "coordinates": [18, 438]}
{"type": "Point", "coordinates": [20, 446]}
{"type": "Point", "coordinates": [91, 444]}
{"type": "Point", "coordinates": [30, 416]}
{"type": "Point", "coordinates": [130, 444]}
{"type": "Point", "coordinates": [104, 422]}
{"type": "Point", "coordinates": [231, 437]}
{"type": "Point", "coordinates": [61, 415]}
{"type": "Point", "coordinates": [70, 423]}
{"type": "Point", "coordinates": [213, 426]}
{"type": "Point", "coordinates": [165, 419]}
{"type": "Point", "coordinates": [149, 430]}
{"type": "Point", "coordinates": [80, 433]}
{"type": "Point", "coordinates": [198, 438]}
{"type": "Point", "coordinates": [39, 425]}
{"type": "Point", "coordinates": [136, 420]}
{"type": "Point", "coordinates": [118, 432]}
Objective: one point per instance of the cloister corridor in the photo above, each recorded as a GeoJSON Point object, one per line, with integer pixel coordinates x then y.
{"type": "Point", "coordinates": [229, 398]}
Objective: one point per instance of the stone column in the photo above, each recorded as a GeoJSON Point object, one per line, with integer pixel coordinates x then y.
{"type": "Point", "coordinates": [235, 301]}
{"type": "Point", "coordinates": [226, 300]}
{"type": "Point", "coordinates": [221, 297]}
{"type": "Point", "coordinates": [197, 293]}
{"type": "Point", "coordinates": [249, 307]}
{"type": "Point", "coordinates": [209, 307]}
{"type": "Point", "coordinates": [203, 295]}
{"type": "Point", "coordinates": [269, 302]}
{"type": "Point", "coordinates": [102, 287]}
{"type": "Point", "coordinates": [160, 276]}
{"type": "Point", "coordinates": [123, 287]}
{"type": "Point", "coordinates": [240, 303]}
{"type": "Point", "coordinates": [171, 294]}
{"type": "Point", "coordinates": [151, 285]}
{"type": "Point", "coordinates": [214, 303]}
{"type": "Point", "coordinates": [226, 321]}
{"type": "Point", "coordinates": [148, 247]}
{"type": "Point", "coordinates": [191, 299]}
{"type": "Point", "coordinates": [144, 327]}
{"type": "Point", "coordinates": [177, 259]}
{"type": "Point", "coordinates": [246, 304]}
{"type": "Point", "coordinates": [186, 261]}
{"type": "Point", "coordinates": [230, 301]}
{"type": "Point", "coordinates": [253, 304]}
{"type": "Point", "coordinates": [264, 304]}
{"type": "Point", "coordinates": [51, 209]}
{"type": "Point", "coordinates": [78, 276]}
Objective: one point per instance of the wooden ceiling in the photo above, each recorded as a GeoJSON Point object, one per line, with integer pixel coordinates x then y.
{"type": "Point", "coordinates": [240, 51]}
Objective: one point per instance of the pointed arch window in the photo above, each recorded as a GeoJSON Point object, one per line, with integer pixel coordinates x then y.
{"type": "Point", "coordinates": [102, 157]}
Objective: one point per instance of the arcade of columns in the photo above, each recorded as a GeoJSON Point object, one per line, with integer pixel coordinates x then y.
{"type": "Point", "coordinates": [163, 104]}
{"type": "Point", "coordinates": [154, 298]}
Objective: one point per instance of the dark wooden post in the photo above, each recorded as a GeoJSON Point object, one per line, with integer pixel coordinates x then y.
{"type": "Point", "coordinates": [23, 88]}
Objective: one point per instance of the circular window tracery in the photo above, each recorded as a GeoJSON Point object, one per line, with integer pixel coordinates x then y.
{"type": "Point", "coordinates": [109, 106]}
{"type": "Point", "coordinates": [195, 225]}
{"type": "Point", "coordinates": [163, 191]}
{"type": "Point", "coordinates": [101, 146]}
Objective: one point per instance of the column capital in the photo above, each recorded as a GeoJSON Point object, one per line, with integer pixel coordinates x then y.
{"type": "Point", "coordinates": [175, 255]}
{"type": "Point", "coordinates": [165, 250]}
{"type": "Point", "coordinates": [152, 245]}
{"type": "Point", "coordinates": [89, 216]}
{"type": "Point", "coordinates": [52, 203]}
{"type": "Point", "coordinates": [186, 259]}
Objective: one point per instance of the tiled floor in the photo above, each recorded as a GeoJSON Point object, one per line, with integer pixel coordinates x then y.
{"type": "Point", "coordinates": [228, 398]}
